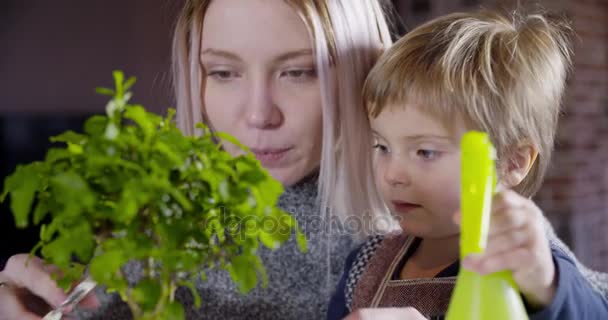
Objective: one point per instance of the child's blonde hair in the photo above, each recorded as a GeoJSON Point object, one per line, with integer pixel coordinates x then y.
{"type": "Point", "coordinates": [504, 76]}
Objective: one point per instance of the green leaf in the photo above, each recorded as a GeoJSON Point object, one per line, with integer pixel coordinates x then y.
{"type": "Point", "coordinates": [174, 311]}
{"type": "Point", "coordinates": [56, 154]}
{"type": "Point", "coordinates": [146, 121]}
{"type": "Point", "coordinates": [119, 78]}
{"type": "Point", "coordinates": [70, 181]}
{"type": "Point", "coordinates": [171, 234]}
{"type": "Point", "coordinates": [130, 82]}
{"type": "Point", "coordinates": [170, 114]}
{"type": "Point", "coordinates": [301, 240]}
{"type": "Point", "coordinates": [69, 136]}
{"type": "Point", "coordinates": [57, 251]}
{"type": "Point", "coordinates": [95, 125]}
{"type": "Point", "coordinates": [82, 241]}
{"type": "Point", "coordinates": [75, 148]}
{"type": "Point", "coordinates": [47, 231]}
{"type": "Point", "coordinates": [229, 138]}
{"type": "Point", "coordinates": [169, 153]}
{"type": "Point", "coordinates": [132, 198]}
{"type": "Point", "coordinates": [269, 240]}
{"type": "Point", "coordinates": [105, 91]}
{"type": "Point", "coordinates": [22, 185]}
{"type": "Point", "coordinates": [76, 197]}
{"type": "Point", "coordinates": [147, 293]}
{"type": "Point", "coordinates": [243, 273]}
{"type": "Point", "coordinates": [40, 212]}
{"type": "Point", "coordinates": [104, 266]}
{"type": "Point", "coordinates": [252, 176]}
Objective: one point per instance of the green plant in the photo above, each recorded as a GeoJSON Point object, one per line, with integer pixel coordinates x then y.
{"type": "Point", "coordinates": [132, 187]}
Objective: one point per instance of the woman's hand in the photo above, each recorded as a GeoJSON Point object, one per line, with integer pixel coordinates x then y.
{"type": "Point", "coordinates": [28, 291]}
{"type": "Point", "coordinates": [386, 314]}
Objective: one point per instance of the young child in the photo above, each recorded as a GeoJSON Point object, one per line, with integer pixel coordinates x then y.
{"type": "Point", "coordinates": [465, 71]}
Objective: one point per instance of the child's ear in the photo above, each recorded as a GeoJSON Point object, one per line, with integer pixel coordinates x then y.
{"type": "Point", "coordinates": [518, 165]}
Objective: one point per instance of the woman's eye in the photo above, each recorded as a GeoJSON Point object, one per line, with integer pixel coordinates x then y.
{"type": "Point", "coordinates": [222, 75]}
{"type": "Point", "coordinates": [299, 74]}
{"type": "Point", "coordinates": [428, 154]}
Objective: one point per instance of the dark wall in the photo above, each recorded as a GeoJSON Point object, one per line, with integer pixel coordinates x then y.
{"type": "Point", "coordinates": [54, 53]}
{"type": "Point", "coordinates": [52, 56]}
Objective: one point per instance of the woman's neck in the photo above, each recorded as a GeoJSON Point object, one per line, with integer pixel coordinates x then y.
{"type": "Point", "coordinates": [431, 257]}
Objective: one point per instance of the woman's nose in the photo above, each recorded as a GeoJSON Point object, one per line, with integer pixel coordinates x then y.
{"type": "Point", "coordinates": [262, 110]}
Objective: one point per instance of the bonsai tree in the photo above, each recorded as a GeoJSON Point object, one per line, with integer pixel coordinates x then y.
{"type": "Point", "coordinates": [132, 187]}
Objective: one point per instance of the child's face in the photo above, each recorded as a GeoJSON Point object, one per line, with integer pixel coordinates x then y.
{"type": "Point", "coordinates": [417, 169]}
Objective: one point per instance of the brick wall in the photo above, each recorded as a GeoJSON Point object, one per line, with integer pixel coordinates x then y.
{"type": "Point", "coordinates": [583, 138]}
{"type": "Point", "coordinates": [575, 194]}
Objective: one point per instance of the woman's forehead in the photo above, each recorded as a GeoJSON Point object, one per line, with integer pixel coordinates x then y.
{"type": "Point", "coordinates": [270, 28]}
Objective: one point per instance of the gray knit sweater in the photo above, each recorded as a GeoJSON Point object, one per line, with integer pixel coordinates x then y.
{"type": "Point", "coordinates": [300, 285]}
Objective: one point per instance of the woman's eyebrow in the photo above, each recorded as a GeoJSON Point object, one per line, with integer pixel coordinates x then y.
{"type": "Point", "coordinates": [220, 53]}
{"type": "Point", "coordinates": [293, 54]}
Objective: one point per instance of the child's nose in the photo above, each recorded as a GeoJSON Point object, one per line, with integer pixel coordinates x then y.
{"type": "Point", "coordinates": [396, 174]}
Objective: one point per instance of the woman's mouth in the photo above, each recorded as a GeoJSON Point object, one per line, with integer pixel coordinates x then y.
{"type": "Point", "coordinates": [271, 157]}
{"type": "Point", "coordinates": [404, 207]}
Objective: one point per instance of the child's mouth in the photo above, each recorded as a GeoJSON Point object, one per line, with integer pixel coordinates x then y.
{"type": "Point", "coordinates": [404, 207]}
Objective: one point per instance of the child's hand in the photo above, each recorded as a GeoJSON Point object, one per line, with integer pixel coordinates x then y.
{"type": "Point", "coordinates": [386, 314]}
{"type": "Point", "coordinates": [517, 242]}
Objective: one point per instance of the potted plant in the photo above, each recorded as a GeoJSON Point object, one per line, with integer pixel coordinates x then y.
{"type": "Point", "coordinates": [132, 187]}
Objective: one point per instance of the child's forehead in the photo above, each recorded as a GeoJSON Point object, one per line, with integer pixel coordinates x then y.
{"type": "Point", "coordinates": [417, 119]}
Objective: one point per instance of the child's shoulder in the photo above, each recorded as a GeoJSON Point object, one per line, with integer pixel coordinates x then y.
{"type": "Point", "coordinates": [370, 245]}
{"type": "Point", "coordinates": [359, 259]}
{"type": "Point", "coordinates": [361, 255]}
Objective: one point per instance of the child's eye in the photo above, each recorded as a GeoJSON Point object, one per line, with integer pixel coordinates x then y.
{"type": "Point", "coordinates": [428, 154]}
{"type": "Point", "coordinates": [381, 148]}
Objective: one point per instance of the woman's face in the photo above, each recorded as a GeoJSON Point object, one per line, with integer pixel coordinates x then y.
{"type": "Point", "coordinates": [261, 84]}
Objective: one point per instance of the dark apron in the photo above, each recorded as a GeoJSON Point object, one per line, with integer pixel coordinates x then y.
{"type": "Point", "coordinates": [377, 289]}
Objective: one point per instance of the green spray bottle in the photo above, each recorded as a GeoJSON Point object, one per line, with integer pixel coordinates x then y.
{"type": "Point", "coordinates": [480, 297]}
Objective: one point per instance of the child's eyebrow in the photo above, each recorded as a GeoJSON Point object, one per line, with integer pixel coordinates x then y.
{"type": "Point", "coordinates": [418, 137]}
{"type": "Point", "coordinates": [426, 137]}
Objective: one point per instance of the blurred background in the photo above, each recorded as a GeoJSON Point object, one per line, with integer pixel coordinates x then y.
{"type": "Point", "coordinates": [54, 53]}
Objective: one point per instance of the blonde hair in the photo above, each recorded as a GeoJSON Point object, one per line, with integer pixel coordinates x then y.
{"type": "Point", "coordinates": [504, 76]}
{"type": "Point", "coordinates": [348, 36]}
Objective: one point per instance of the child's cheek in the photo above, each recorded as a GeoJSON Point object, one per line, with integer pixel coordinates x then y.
{"type": "Point", "coordinates": [450, 203]}
{"type": "Point", "coordinates": [381, 185]}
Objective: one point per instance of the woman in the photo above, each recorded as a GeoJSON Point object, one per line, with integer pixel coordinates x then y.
{"type": "Point", "coordinates": [284, 77]}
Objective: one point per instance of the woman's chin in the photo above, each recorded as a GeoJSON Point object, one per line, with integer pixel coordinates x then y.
{"type": "Point", "coordinates": [285, 176]}
{"type": "Point", "coordinates": [289, 175]}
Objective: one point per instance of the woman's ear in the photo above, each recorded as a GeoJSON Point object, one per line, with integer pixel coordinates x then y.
{"type": "Point", "coordinates": [518, 164]}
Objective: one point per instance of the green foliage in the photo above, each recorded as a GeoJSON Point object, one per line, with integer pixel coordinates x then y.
{"type": "Point", "coordinates": [132, 187]}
